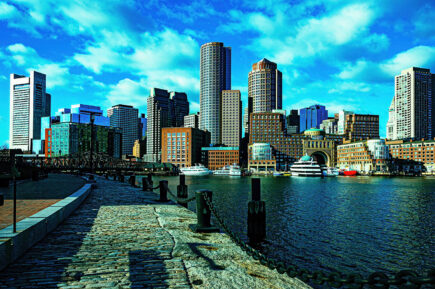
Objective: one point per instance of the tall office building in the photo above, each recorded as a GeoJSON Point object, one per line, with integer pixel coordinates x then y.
{"type": "Point", "coordinates": [215, 72]}
{"type": "Point", "coordinates": [142, 127]}
{"type": "Point", "coordinates": [411, 113]}
{"type": "Point", "coordinates": [341, 125]}
{"type": "Point", "coordinates": [125, 117]}
{"type": "Point", "coordinates": [361, 127]}
{"type": "Point", "coordinates": [28, 103]}
{"type": "Point", "coordinates": [164, 109]}
{"type": "Point", "coordinates": [231, 118]}
{"type": "Point", "coordinates": [192, 120]}
{"type": "Point", "coordinates": [265, 86]}
{"type": "Point", "coordinates": [312, 117]}
{"type": "Point", "coordinates": [293, 122]}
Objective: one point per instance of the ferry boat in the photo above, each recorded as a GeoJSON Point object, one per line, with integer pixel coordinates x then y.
{"type": "Point", "coordinates": [330, 172]}
{"type": "Point", "coordinates": [233, 170]}
{"type": "Point", "coordinates": [196, 170]}
{"type": "Point", "coordinates": [350, 173]}
{"type": "Point", "coordinates": [306, 167]}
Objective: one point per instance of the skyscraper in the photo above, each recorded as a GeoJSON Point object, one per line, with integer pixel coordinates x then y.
{"type": "Point", "coordinates": [215, 71]}
{"type": "Point", "coordinates": [28, 103]}
{"type": "Point", "coordinates": [312, 117]}
{"type": "Point", "coordinates": [142, 127]}
{"type": "Point", "coordinates": [411, 113]}
{"type": "Point", "coordinates": [231, 118]}
{"type": "Point", "coordinates": [265, 86]}
{"type": "Point", "coordinates": [125, 117]}
{"type": "Point", "coordinates": [164, 109]}
{"type": "Point", "coordinates": [341, 125]}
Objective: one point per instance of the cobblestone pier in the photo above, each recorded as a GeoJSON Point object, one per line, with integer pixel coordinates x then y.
{"type": "Point", "coordinates": [122, 238]}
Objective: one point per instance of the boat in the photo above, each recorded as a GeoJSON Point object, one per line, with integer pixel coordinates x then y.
{"type": "Point", "coordinates": [306, 167]}
{"type": "Point", "coordinates": [350, 173]}
{"type": "Point", "coordinates": [196, 170]}
{"type": "Point", "coordinates": [277, 174]}
{"type": "Point", "coordinates": [330, 172]}
{"type": "Point", "coordinates": [233, 170]}
{"type": "Point", "coordinates": [287, 174]}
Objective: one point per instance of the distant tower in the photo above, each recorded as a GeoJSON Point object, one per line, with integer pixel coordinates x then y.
{"type": "Point", "coordinates": [125, 117]}
{"type": "Point", "coordinates": [215, 71]}
{"type": "Point", "coordinates": [265, 86]}
{"type": "Point", "coordinates": [413, 106]}
{"type": "Point", "coordinates": [231, 118]}
{"type": "Point", "coordinates": [312, 117]}
{"type": "Point", "coordinates": [28, 103]}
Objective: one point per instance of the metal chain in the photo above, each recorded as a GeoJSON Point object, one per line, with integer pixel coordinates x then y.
{"type": "Point", "coordinates": [404, 279]}
{"type": "Point", "coordinates": [180, 200]}
{"type": "Point", "coordinates": [155, 188]}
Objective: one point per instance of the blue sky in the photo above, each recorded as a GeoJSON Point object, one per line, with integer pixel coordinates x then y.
{"type": "Point", "coordinates": [343, 54]}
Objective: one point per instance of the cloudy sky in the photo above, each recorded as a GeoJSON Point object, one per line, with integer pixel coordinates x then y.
{"type": "Point", "coordinates": [342, 54]}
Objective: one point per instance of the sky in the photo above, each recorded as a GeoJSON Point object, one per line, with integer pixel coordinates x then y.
{"type": "Point", "coordinates": [341, 54]}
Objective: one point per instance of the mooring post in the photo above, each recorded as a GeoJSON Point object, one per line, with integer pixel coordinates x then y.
{"type": "Point", "coordinates": [121, 178]}
{"type": "Point", "coordinates": [163, 185]}
{"type": "Point", "coordinates": [132, 180]}
{"type": "Point", "coordinates": [147, 183]}
{"type": "Point", "coordinates": [182, 190]}
{"type": "Point", "coordinates": [203, 213]}
{"type": "Point", "coordinates": [2, 199]}
{"type": "Point", "coordinates": [256, 214]}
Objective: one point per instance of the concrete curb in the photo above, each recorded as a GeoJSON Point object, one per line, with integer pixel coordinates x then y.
{"type": "Point", "coordinates": [34, 228]}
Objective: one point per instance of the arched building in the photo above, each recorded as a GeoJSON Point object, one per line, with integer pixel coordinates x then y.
{"type": "Point", "coordinates": [321, 149]}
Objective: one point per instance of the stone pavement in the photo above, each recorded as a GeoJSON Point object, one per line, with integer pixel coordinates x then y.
{"type": "Point", "coordinates": [32, 197]}
{"type": "Point", "coordinates": [121, 238]}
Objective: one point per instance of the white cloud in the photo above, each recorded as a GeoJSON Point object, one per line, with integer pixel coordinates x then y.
{"type": "Point", "coordinates": [130, 92]}
{"type": "Point", "coordinates": [7, 11]}
{"type": "Point", "coordinates": [194, 106]}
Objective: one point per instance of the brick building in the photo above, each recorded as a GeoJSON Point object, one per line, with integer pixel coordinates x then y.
{"type": "Point", "coordinates": [361, 127]}
{"type": "Point", "coordinates": [418, 151]}
{"type": "Point", "coordinates": [181, 146]}
{"type": "Point", "coordinates": [217, 157]}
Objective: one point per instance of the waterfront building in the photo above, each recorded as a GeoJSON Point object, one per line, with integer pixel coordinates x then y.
{"type": "Point", "coordinates": [319, 147]}
{"type": "Point", "coordinates": [192, 120]}
{"type": "Point", "coordinates": [341, 124]}
{"type": "Point", "coordinates": [265, 86]}
{"type": "Point", "coordinates": [411, 113]}
{"type": "Point", "coordinates": [125, 117]}
{"type": "Point", "coordinates": [74, 138]}
{"type": "Point", "coordinates": [181, 146]}
{"type": "Point", "coordinates": [231, 118]}
{"type": "Point", "coordinates": [364, 156]}
{"type": "Point", "coordinates": [422, 151]}
{"type": "Point", "coordinates": [361, 127]}
{"type": "Point", "coordinates": [164, 109]}
{"type": "Point", "coordinates": [29, 101]}
{"type": "Point", "coordinates": [329, 125]}
{"type": "Point", "coordinates": [139, 148]}
{"type": "Point", "coordinates": [261, 158]}
{"type": "Point", "coordinates": [217, 157]}
{"type": "Point", "coordinates": [142, 127]}
{"type": "Point", "coordinates": [293, 122]}
{"type": "Point", "coordinates": [312, 117]}
{"type": "Point", "coordinates": [215, 76]}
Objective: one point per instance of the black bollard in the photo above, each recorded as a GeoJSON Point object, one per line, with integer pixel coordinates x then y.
{"type": "Point", "coordinates": [256, 214]}
{"type": "Point", "coordinates": [132, 180]}
{"type": "Point", "coordinates": [182, 190]}
{"type": "Point", "coordinates": [121, 178]}
{"type": "Point", "coordinates": [163, 185]}
{"type": "Point", "coordinates": [147, 183]}
{"type": "Point", "coordinates": [106, 176]}
{"type": "Point", "coordinates": [2, 199]}
{"type": "Point", "coordinates": [203, 214]}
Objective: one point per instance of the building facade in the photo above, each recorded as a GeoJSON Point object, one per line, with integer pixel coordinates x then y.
{"type": "Point", "coordinates": [341, 124]}
{"type": "Point", "coordinates": [215, 158]}
{"type": "Point", "coordinates": [125, 117]}
{"type": "Point", "coordinates": [231, 118]}
{"type": "Point", "coordinates": [215, 76]}
{"type": "Point", "coordinates": [191, 120]}
{"type": "Point", "coordinates": [329, 126]}
{"type": "Point", "coordinates": [412, 109]}
{"type": "Point", "coordinates": [29, 101]}
{"type": "Point", "coordinates": [361, 127]}
{"type": "Point", "coordinates": [142, 127]}
{"type": "Point", "coordinates": [181, 146]}
{"type": "Point", "coordinates": [312, 117]}
{"type": "Point", "coordinates": [364, 156]}
{"type": "Point", "coordinates": [422, 151]}
{"type": "Point", "coordinates": [139, 148]}
{"type": "Point", "coordinates": [293, 122]}
{"type": "Point", "coordinates": [261, 158]}
{"type": "Point", "coordinates": [164, 109]}
{"type": "Point", "coordinates": [265, 86]}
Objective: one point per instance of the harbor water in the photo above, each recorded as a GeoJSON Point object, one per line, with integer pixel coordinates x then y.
{"type": "Point", "coordinates": [346, 224]}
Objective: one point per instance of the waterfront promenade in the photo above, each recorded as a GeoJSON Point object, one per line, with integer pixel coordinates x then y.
{"type": "Point", "coordinates": [122, 238]}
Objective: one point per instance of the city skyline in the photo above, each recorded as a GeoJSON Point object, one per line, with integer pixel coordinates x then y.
{"type": "Point", "coordinates": [322, 63]}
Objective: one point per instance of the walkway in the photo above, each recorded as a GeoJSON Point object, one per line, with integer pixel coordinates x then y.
{"type": "Point", "coordinates": [121, 238]}
{"type": "Point", "coordinates": [32, 196]}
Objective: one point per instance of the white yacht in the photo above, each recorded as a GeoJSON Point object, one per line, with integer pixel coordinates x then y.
{"type": "Point", "coordinates": [306, 167]}
{"type": "Point", "coordinates": [233, 170]}
{"type": "Point", "coordinates": [196, 170]}
{"type": "Point", "coordinates": [330, 172]}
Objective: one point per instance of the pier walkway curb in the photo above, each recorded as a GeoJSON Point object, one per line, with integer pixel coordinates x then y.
{"type": "Point", "coordinates": [121, 237]}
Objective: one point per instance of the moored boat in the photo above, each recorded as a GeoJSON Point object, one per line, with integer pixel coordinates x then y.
{"type": "Point", "coordinates": [306, 167]}
{"type": "Point", "coordinates": [350, 173]}
{"type": "Point", "coordinates": [330, 172]}
{"type": "Point", "coordinates": [196, 170]}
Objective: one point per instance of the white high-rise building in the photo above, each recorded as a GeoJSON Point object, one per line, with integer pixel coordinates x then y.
{"type": "Point", "coordinates": [215, 71]}
{"type": "Point", "coordinates": [125, 117]}
{"type": "Point", "coordinates": [341, 125]}
{"type": "Point", "coordinates": [412, 109]}
{"type": "Point", "coordinates": [28, 103]}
